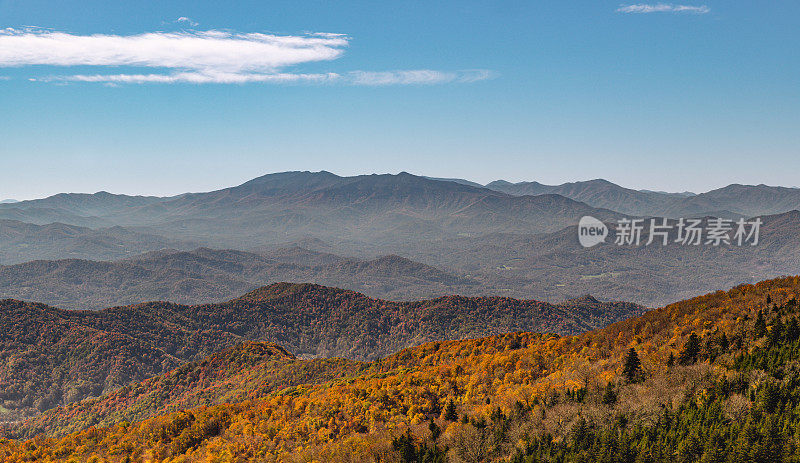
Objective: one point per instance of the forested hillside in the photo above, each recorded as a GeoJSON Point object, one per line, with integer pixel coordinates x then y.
{"type": "Point", "coordinates": [713, 378]}
{"type": "Point", "coordinates": [51, 357]}
{"type": "Point", "coordinates": [245, 371]}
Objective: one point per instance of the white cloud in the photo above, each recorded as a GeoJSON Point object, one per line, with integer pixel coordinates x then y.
{"type": "Point", "coordinates": [198, 51]}
{"type": "Point", "coordinates": [366, 78]}
{"type": "Point", "coordinates": [200, 57]}
{"type": "Point", "coordinates": [196, 78]}
{"type": "Point", "coordinates": [420, 77]}
{"type": "Point", "coordinates": [189, 21]}
{"type": "Point", "coordinates": [663, 8]}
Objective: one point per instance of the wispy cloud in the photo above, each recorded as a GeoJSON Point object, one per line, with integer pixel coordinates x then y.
{"type": "Point", "coordinates": [209, 77]}
{"type": "Point", "coordinates": [201, 57]}
{"type": "Point", "coordinates": [419, 77]}
{"type": "Point", "coordinates": [189, 21]}
{"type": "Point", "coordinates": [199, 51]}
{"type": "Point", "coordinates": [663, 8]}
{"type": "Point", "coordinates": [365, 78]}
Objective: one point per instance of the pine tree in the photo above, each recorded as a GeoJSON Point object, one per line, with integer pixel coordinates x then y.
{"type": "Point", "coordinates": [632, 371]}
{"type": "Point", "coordinates": [760, 327]}
{"type": "Point", "coordinates": [723, 342]}
{"type": "Point", "coordinates": [792, 330]}
{"type": "Point", "coordinates": [690, 351]}
{"type": "Point", "coordinates": [609, 395]}
{"type": "Point", "coordinates": [435, 430]}
{"type": "Point", "coordinates": [450, 411]}
{"type": "Point", "coordinates": [776, 332]}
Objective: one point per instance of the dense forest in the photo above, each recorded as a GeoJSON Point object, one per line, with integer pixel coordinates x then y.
{"type": "Point", "coordinates": [709, 379]}
{"type": "Point", "coordinates": [51, 357]}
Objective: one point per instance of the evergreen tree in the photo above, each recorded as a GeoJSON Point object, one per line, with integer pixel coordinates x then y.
{"type": "Point", "coordinates": [775, 332]}
{"type": "Point", "coordinates": [404, 446]}
{"type": "Point", "coordinates": [690, 351]}
{"type": "Point", "coordinates": [435, 430]}
{"type": "Point", "coordinates": [723, 342]}
{"type": "Point", "coordinates": [450, 411]}
{"type": "Point", "coordinates": [609, 395]}
{"type": "Point", "coordinates": [760, 327]}
{"type": "Point", "coordinates": [792, 330]}
{"type": "Point", "coordinates": [632, 371]}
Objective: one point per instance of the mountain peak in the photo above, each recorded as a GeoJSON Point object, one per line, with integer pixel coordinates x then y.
{"type": "Point", "coordinates": [284, 290]}
{"type": "Point", "coordinates": [499, 183]}
{"type": "Point", "coordinates": [585, 299]}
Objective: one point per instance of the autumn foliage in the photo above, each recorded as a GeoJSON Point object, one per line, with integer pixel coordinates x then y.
{"type": "Point", "coordinates": [516, 396]}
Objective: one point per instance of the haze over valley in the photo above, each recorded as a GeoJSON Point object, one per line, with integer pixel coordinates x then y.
{"type": "Point", "coordinates": [399, 237]}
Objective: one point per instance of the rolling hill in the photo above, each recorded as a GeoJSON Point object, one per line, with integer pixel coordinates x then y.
{"type": "Point", "coordinates": [707, 379]}
{"type": "Point", "coordinates": [22, 242]}
{"type": "Point", "coordinates": [206, 275]}
{"type": "Point", "coordinates": [551, 267]}
{"type": "Point", "coordinates": [50, 357]}
{"type": "Point", "coordinates": [242, 372]}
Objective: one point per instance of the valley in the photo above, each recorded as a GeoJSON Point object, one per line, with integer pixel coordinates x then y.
{"type": "Point", "coordinates": [397, 237]}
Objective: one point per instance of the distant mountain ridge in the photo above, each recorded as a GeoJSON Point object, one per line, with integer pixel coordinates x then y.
{"type": "Point", "coordinates": [517, 242]}
{"type": "Point", "coordinates": [554, 266]}
{"type": "Point", "coordinates": [298, 201]}
{"type": "Point", "coordinates": [357, 212]}
{"type": "Point", "coordinates": [81, 209]}
{"type": "Point", "coordinates": [206, 275]}
{"type": "Point", "coordinates": [21, 242]}
{"type": "Point", "coordinates": [599, 193]}
{"type": "Point", "coordinates": [731, 201]}
{"type": "Point", "coordinates": [551, 267]}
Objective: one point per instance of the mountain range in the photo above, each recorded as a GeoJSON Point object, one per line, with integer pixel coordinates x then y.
{"type": "Point", "coordinates": [451, 236]}
{"type": "Point", "coordinates": [436, 199]}
{"type": "Point", "coordinates": [51, 357]}
{"type": "Point", "coordinates": [371, 209]}
{"type": "Point", "coordinates": [206, 275]}
{"type": "Point", "coordinates": [732, 201]}
{"type": "Point", "coordinates": [552, 266]}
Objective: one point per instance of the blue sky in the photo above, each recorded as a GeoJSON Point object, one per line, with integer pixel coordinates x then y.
{"type": "Point", "coordinates": [648, 95]}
